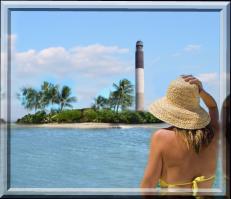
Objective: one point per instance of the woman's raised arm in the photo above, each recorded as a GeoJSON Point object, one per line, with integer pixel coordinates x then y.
{"type": "Point", "coordinates": [208, 100]}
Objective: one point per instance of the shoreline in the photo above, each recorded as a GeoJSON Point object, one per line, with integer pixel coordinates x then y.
{"type": "Point", "coordinates": [91, 125]}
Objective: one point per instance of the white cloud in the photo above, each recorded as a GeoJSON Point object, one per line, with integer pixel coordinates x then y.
{"type": "Point", "coordinates": [93, 60]}
{"type": "Point", "coordinates": [187, 49]}
{"type": "Point", "coordinates": [99, 49]}
{"type": "Point", "coordinates": [192, 48]}
{"type": "Point", "coordinates": [208, 77]}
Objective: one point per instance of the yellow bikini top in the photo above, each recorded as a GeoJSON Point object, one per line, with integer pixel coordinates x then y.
{"type": "Point", "coordinates": [196, 180]}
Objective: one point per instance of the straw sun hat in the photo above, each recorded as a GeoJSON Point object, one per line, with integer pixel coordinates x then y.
{"type": "Point", "coordinates": [181, 106]}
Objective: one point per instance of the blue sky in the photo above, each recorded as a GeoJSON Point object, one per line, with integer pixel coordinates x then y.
{"type": "Point", "coordinates": [88, 51]}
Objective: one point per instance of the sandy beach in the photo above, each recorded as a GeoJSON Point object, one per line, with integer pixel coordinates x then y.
{"type": "Point", "coordinates": [91, 125]}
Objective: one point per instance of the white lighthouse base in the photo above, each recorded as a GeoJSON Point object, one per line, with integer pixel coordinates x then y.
{"type": "Point", "coordinates": [139, 89]}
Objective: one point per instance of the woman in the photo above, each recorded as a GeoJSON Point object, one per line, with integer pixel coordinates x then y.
{"type": "Point", "coordinates": [183, 155]}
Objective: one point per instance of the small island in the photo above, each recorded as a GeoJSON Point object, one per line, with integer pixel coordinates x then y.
{"type": "Point", "coordinates": [89, 115]}
{"type": "Point", "coordinates": [111, 110]}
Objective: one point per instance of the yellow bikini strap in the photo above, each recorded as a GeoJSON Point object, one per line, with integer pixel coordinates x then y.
{"type": "Point", "coordinates": [199, 179]}
{"type": "Point", "coordinates": [165, 184]}
{"type": "Point", "coordinates": [194, 183]}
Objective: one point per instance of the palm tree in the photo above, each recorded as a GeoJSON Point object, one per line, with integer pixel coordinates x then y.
{"type": "Point", "coordinates": [31, 99]}
{"type": "Point", "coordinates": [50, 93]}
{"type": "Point", "coordinates": [54, 89]}
{"type": "Point", "coordinates": [123, 94]}
{"type": "Point", "coordinates": [100, 102]}
{"type": "Point", "coordinates": [45, 89]}
{"type": "Point", "coordinates": [64, 99]}
{"type": "Point", "coordinates": [112, 100]}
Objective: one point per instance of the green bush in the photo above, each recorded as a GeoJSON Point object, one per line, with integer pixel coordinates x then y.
{"type": "Point", "coordinates": [151, 119]}
{"type": "Point", "coordinates": [89, 115]}
{"type": "Point", "coordinates": [50, 118]}
{"type": "Point", "coordinates": [107, 116]}
{"type": "Point", "coordinates": [124, 117]}
{"type": "Point", "coordinates": [143, 115]}
{"type": "Point", "coordinates": [131, 117]}
{"type": "Point", "coordinates": [67, 116]}
{"type": "Point", "coordinates": [137, 117]}
{"type": "Point", "coordinates": [37, 118]}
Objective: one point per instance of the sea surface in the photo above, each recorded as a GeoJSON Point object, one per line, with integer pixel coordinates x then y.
{"type": "Point", "coordinates": [80, 158]}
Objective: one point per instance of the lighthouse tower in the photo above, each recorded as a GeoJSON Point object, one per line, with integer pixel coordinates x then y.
{"type": "Point", "coordinates": [139, 62]}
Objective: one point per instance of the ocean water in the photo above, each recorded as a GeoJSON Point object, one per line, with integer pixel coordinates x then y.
{"type": "Point", "coordinates": [80, 158]}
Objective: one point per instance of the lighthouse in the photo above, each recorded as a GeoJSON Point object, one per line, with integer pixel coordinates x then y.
{"type": "Point", "coordinates": [139, 63]}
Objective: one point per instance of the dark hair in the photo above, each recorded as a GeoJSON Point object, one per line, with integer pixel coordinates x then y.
{"type": "Point", "coordinates": [196, 138]}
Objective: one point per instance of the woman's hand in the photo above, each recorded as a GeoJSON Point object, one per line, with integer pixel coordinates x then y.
{"type": "Point", "coordinates": [208, 100]}
{"type": "Point", "coordinates": [193, 80]}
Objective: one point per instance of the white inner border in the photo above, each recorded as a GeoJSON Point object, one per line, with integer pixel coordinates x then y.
{"type": "Point", "coordinates": [221, 6]}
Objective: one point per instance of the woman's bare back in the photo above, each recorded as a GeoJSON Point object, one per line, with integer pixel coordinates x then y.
{"type": "Point", "coordinates": [182, 165]}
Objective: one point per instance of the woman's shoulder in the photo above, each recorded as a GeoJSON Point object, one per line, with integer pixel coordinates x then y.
{"type": "Point", "coordinates": [165, 131]}
{"type": "Point", "coordinates": [163, 135]}
{"type": "Point", "coordinates": [162, 140]}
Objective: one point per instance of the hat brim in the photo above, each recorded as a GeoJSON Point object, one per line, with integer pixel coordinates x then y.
{"type": "Point", "coordinates": [178, 116]}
